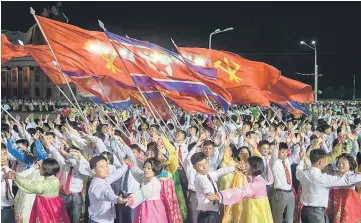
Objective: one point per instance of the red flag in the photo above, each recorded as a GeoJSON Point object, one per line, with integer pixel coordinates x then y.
{"type": "Point", "coordinates": [82, 53]}
{"type": "Point", "coordinates": [291, 90]}
{"type": "Point", "coordinates": [241, 77]}
{"type": "Point", "coordinates": [9, 50]}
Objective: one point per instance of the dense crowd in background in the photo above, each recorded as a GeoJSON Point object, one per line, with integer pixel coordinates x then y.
{"type": "Point", "coordinates": [249, 164]}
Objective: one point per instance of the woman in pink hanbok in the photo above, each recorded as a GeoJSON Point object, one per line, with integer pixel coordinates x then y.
{"type": "Point", "coordinates": [147, 200]}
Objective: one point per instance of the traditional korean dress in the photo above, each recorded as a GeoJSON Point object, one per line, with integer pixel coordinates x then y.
{"type": "Point", "coordinates": [171, 193]}
{"type": "Point", "coordinates": [344, 205]}
{"type": "Point", "coordinates": [48, 206]}
{"type": "Point", "coordinates": [256, 206]}
{"type": "Point", "coordinates": [232, 213]}
{"type": "Point", "coordinates": [147, 200]}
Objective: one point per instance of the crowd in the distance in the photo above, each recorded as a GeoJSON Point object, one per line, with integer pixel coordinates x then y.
{"type": "Point", "coordinates": [247, 165]}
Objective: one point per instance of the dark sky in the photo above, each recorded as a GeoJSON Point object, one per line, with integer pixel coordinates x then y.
{"type": "Point", "coordinates": [263, 31]}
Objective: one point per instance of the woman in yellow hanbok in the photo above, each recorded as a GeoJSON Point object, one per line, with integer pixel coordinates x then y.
{"type": "Point", "coordinates": [232, 213]}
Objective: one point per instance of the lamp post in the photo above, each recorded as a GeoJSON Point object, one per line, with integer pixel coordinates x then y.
{"type": "Point", "coordinates": [215, 32]}
{"type": "Point", "coordinates": [316, 66]}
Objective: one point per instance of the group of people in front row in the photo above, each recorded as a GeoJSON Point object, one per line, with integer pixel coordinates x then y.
{"type": "Point", "coordinates": [204, 168]}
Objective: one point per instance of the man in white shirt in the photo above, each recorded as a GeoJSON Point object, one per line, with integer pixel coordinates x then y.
{"type": "Point", "coordinates": [205, 183]}
{"type": "Point", "coordinates": [283, 200]}
{"type": "Point", "coordinates": [7, 196]}
{"type": "Point", "coordinates": [316, 185]}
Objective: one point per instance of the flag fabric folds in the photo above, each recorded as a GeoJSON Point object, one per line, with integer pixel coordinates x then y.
{"type": "Point", "coordinates": [149, 64]}
{"type": "Point", "coordinates": [82, 53]}
{"type": "Point", "coordinates": [9, 50]}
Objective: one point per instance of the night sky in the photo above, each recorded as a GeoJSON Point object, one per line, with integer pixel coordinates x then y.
{"type": "Point", "coordinates": [264, 31]}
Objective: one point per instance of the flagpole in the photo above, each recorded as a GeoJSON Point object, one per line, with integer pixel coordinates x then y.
{"type": "Point", "coordinates": [99, 107]}
{"type": "Point", "coordinates": [103, 27]}
{"type": "Point", "coordinates": [263, 115]}
{"type": "Point", "coordinates": [278, 116]}
{"type": "Point", "coordinates": [61, 91]}
{"type": "Point", "coordinates": [32, 11]}
{"type": "Point", "coordinates": [20, 126]}
{"type": "Point", "coordinates": [170, 109]}
{"type": "Point", "coordinates": [210, 102]}
{"type": "Point", "coordinates": [114, 110]}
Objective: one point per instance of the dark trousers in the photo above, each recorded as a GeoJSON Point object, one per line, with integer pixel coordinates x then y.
{"type": "Point", "coordinates": [87, 201]}
{"type": "Point", "coordinates": [313, 215]}
{"type": "Point", "coordinates": [209, 217]}
{"type": "Point", "coordinates": [192, 204]}
{"type": "Point", "coordinates": [7, 215]}
{"type": "Point", "coordinates": [123, 213]}
{"type": "Point", "coordinates": [73, 203]}
{"type": "Point", "coordinates": [269, 192]}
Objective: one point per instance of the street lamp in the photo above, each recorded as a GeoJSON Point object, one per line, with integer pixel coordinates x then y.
{"type": "Point", "coordinates": [316, 66]}
{"type": "Point", "coordinates": [215, 32]}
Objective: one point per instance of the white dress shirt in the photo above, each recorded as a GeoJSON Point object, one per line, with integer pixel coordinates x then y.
{"type": "Point", "coordinates": [203, 187]}
{"type": "Point", "coordinates": [316, 185]}
{"type": "Point", "coordinates": [279, 173]}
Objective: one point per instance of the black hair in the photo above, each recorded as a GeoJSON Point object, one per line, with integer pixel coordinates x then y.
{"type": "Point", "coordinates": [208, 142]}
{"type": "Point", "coordinates": [316, 155]}
{"type": "Point", "coordinates": [140, 126]}
{"type": "Point", "coordinates": [326, 127]}
{"type": "Point", "coordinates": [93, 162]}
{"type": "Point", "coordinates": [41, 130]}
{"type": "Point", "coordinates": [283, 146]}
{"type": "Point", "coordinates": [356, 121]}
{"type": "Point", "coordinates": [241, 148]}
{"type": "Point", "coordinates": [234, 118]}
{"type": "Point", "coordinates": [313, 137]}
{"type": "Point", "coordinates": [23, 141]}
{"type": "Point", "coordinates": [156, 165]}
{"type": "Point", "coordinates": [256, 164]}
{"type": "Point", "coordinates": [263, 142]}
{"type": "Point", "coordinates": [210, 130]}
{"type": "Point", "coordinates": [198, 157]}
{"type": "Point", "coordinates": [249, 133]}
{"type": "Point", "coordinates": [195, 127]}
{"type": "Point", "coordinates": [46, 125]}
{"type": "Point", "coordinates": [109, 156]}
{"type": "Point", "coordinates": [339, 129]}
{"type": "Point", "coordinates": [31, 131]}
{"type": "Point", "coordinates": [3, 147]}
{"type": "Point", "coordinates": [182, 120]}
{"type": "Point", "coordinates": [170, 126]}
{"type": "Point", "coordinates": [350, 159]}
{"type": "Point", "coordinates": [136, 147]}
{"type": "Point", "coordinates": [151, 146]}
{"type": "Point", "coordinates": [50, 167]}
{"type": "Point", "coordinates": [50, 134]}
{"type": "Point", "coordinates": [155, 126]}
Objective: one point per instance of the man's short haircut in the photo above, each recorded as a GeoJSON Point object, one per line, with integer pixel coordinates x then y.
{"type": "Point", "coordinates": [316, 155]}
{"type": "Point", "coordinates": [23, 141]}
{"type": "Point", "coordinates": [210, 130]}
{"type": "Point", "coordinates": [50, 134]}
{"type": "Point", "coordinates": [263, 142]}
{"type": "Point", "coordinates": [249, 133]}
{"type": "Point", "coordinates": [93, 162]}
{"type": "Point", "coordinates": [283, 146]}
{"type": "Point", "coordinates": [208, 143]}
{"type": "Point", "coordinates": [198, 157]}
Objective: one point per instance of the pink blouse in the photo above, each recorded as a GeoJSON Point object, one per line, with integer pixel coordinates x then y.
{"type": "Point", "coordinates": [256, 189]}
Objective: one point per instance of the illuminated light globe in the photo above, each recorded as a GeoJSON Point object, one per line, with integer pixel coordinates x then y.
{"type": "Point", "coordinates": [200, 61]}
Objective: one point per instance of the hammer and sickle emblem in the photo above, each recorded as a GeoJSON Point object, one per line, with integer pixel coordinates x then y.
{"type": "Point", "coordinates": [229, 70]}
{"type": "Point", "coordinates": [110, 62]}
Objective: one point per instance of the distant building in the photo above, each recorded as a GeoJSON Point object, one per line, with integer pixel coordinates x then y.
{"type": "Point", "coordinates": [23, 78]}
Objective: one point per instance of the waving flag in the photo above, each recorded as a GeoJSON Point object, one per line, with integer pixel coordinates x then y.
{"type": "Point", "coordinates": [114, 95]}
{"type": "Point", "coordinates": [294, 108]}
{"type": "Point", "coordinates": [291, 90]}
{"type": "Point", "coordinates": [84, 53]}
{"type": "Point", "coordinates": [240, 77]}
{"type": "Point", "coordinates": [150, 65]}
{"type": "Point", "coordinates": [9, 50]}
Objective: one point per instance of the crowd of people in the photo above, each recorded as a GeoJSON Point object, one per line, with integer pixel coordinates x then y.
{"type": "Point", "coordinates": [19, 105]}
{"type": "Point", "coordinates": [247, 165]}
